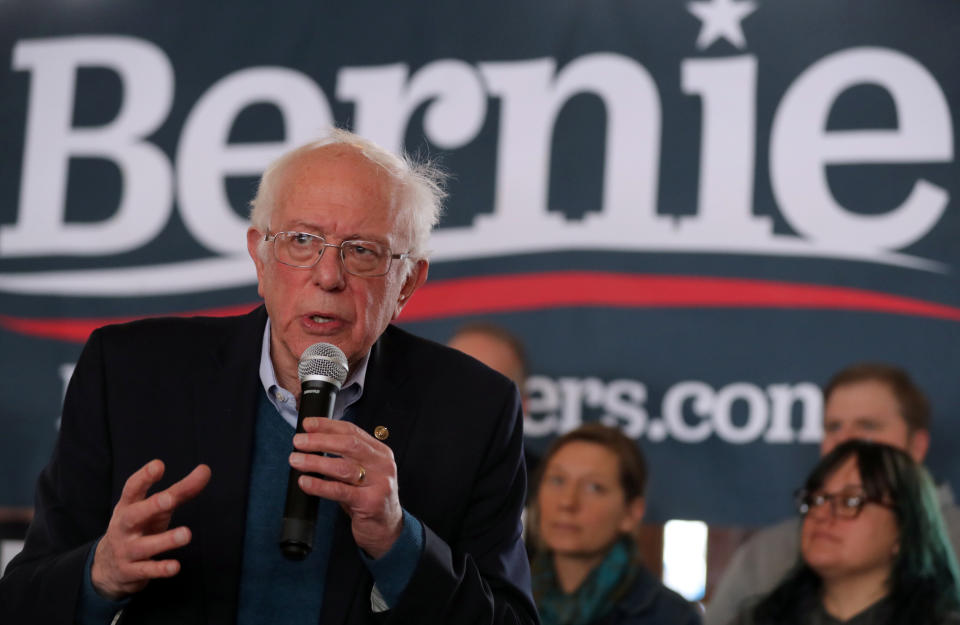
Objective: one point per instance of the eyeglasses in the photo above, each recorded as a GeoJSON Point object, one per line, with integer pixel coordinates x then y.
{"type": "Point", "coordinates": [847, 504]}
{"type": "Point", "coordinates": [360, 258]}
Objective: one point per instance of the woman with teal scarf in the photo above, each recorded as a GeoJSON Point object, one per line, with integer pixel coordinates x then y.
{"type": "Point", "coordinates": [587, 511]}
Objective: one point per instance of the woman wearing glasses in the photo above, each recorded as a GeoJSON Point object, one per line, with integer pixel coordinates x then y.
{"type": "Point", "coordinates": [588, 508]}
{"type": "Point", "coordinates": [873, 548]}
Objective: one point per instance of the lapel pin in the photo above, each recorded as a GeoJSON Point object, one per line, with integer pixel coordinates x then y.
{"type": "Point", "coordinates": [381, 432]}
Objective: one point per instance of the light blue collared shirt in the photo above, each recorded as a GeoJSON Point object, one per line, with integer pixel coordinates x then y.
{"type": "Point", "coordinates": [286, 403]}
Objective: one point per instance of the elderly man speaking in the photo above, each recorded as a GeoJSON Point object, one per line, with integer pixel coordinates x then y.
{"type": "Point", "coordinates": [163, 500]}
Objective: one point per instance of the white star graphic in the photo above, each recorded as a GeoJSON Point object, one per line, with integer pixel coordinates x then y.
{"type": "Point", "coordinates": [721, 18]}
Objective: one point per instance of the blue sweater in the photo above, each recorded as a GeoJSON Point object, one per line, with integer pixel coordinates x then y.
{"type": "Point", "coordinates": [274, 589]}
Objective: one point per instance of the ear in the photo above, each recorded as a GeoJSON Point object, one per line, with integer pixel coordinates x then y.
{"type": "Point", "coordinates": [254, 239]}
{"type": "Point", "coordinates": [918, 444]}
{"type": "Point", "coordinates": [418, 275]}
{"type": "Point", "coordinates": [633, 515]}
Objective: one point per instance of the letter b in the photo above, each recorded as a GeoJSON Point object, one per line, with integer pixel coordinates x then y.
{"type": "Point", "coordinates": [146, 197]}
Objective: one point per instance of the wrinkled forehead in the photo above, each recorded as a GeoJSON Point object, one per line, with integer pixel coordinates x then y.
{"type": "Point", "coordinates": [341, 179]}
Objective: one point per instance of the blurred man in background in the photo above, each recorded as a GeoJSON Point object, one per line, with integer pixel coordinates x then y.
{"type": "Point", "coordinates": [495, 347]}
{"type": "Point", "coordinates": [502, 351]}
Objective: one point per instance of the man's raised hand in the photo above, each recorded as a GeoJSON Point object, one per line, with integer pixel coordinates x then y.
{"type": "Point", "coordinates": [138, 530]}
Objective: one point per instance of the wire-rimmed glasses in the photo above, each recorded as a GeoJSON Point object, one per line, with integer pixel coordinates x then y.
{"type": "Point", "coordinates": [360, 258]}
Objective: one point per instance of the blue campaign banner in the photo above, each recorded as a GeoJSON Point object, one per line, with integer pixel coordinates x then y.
{"type": "Point", "coordinates": [691, 212]}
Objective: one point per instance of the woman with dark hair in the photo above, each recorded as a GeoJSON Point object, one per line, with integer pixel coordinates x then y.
{"type": "Point", "coordinates": [873, 547]}
{"type": "Point", "coordinates": [587, 511]}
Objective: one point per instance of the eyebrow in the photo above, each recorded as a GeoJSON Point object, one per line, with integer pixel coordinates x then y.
{"type": "Point", "coordinates": [300, 226]}
{"type": "Point", "coordinates": [311, 228]}
{"type": "Point", "coordinates": [833, 420]}
{"type": "Point", "coordinates": [591, 475]}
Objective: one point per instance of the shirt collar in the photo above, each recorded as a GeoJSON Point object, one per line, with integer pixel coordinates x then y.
{"type": "Point", "coordinates": [284, 400]}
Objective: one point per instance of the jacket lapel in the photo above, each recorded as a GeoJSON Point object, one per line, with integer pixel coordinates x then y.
{"type": "Point", "coordinates": [382, 404]}
{"type": "Point", "coordinates": [226, 400]}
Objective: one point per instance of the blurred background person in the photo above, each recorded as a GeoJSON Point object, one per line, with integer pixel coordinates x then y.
{"type": "Point", "coordinates": [588, 508]}
{"type": "Point", "coordinates": [502, 351]}
{"type": "Point", "coordinates": [872, 401]}
{"type": "Point", "coordinates": [496, 347]}
{"type": "Point", "coordinates": [873, 547]}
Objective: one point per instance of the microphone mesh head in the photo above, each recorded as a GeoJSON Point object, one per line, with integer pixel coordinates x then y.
{"type": "Point", "coordinates": [325, 361]}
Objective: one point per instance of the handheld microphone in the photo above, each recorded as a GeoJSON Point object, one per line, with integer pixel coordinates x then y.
{"type": "Point", "coordinates": [322, 370]}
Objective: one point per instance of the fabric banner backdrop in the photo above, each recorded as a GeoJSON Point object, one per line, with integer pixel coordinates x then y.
{"type": "Point", "coordinates": [691, 212]}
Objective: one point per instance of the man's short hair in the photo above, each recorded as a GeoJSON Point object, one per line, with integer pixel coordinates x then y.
{"type": "Point", "coordinates": [419, 186]}
{"type": "Point", "coordinates": [914, 406]}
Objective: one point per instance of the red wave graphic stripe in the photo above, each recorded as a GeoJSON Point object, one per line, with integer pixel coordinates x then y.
{"type": "Point", "coordinates": [538, 291]}
{"type": "Point", "coordinates": [77, 330]}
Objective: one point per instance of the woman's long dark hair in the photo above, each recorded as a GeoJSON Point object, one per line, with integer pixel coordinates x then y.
{"type": "Point", "coordinates": [923, 582]}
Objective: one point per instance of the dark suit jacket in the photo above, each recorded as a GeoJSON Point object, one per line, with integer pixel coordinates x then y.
{"type": "Point", "coordinates": [184, 391]}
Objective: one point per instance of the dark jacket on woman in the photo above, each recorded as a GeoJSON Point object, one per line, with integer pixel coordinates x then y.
{"type": "Point", "coordinates": [877, 614]}
{"type": "Point", "coordinates": [649, 602]}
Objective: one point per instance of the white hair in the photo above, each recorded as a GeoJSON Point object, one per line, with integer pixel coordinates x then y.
{"type": "Point", "coordinates": [418, 187]}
